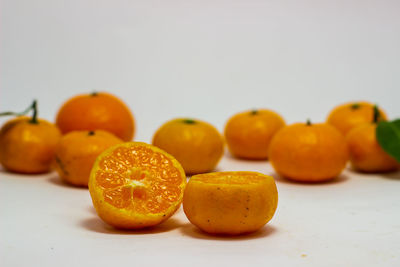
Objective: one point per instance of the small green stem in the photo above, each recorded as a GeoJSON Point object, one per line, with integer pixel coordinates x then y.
{"type": "Point", "coordinates": [254, 112]}
{"type": "Point", "coordinates": [189, 121]}
{"type": "Point", "coordinates": [377, 114]}
{"type": "Point", "coordinates": [355, 106]}
{"type": "Point", "coordinates": [94, 93]}
{"type": "Point", "coordinates": [33, 107]}
{"type": "Point", "coordinates": [11, 113]}
{"type": "Point", "coordinates": [35, 112]}
{"type": "Point", "coordinates": [308, 123]}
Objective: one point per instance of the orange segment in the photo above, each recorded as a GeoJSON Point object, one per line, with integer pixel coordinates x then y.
{"type": "Point", "coordinates": [134, 180]}
{"type": "Point", "coordinates": [107, 180]}
{"type": "Point", "coordinates": [120, 197]}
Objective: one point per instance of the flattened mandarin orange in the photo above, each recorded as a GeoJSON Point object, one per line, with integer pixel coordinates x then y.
{"type": "Point", "coordinates": [366, 155]}
{"type": "Point", "coordinates": [308, 152]}
{"type": "Point", "coordinates": [135, 185]}
{"type": "Point", "coordinates": [196, 144]}
{"type": "Point", "coordinates": [96, 111]}
{"type": "Point", "coordinates": [77, 151]}
{"type": "Point", "coordinates": [248, 134]}
{"type": "Point", "coordinates": [27, 145]}
{"type": "Point", "coordinates": [230, 203]}
{"type": "Point", "coordinates": [349, 115]}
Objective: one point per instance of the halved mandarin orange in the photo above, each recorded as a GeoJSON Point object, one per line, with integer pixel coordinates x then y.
{"type": "Point", "coordinates": [230, 203]}
{"type": "Point", "coordinates": [135, 185]}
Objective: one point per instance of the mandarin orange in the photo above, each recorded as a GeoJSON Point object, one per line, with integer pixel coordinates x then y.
{"type": "Point", "coordinates": [308, 152]}
{"type": "Point", "coordinates": [349, 115]}
{"type": "Point", "coordinates": [27, 145]}
{"type": "Point", "coordinates": [96, 111]}
{"type": "Point", "coordinates": [196, 144]}
{"type": "Point", "coordinates": [248, 134]}
{"type": "Point", "coordinates": [366, 155]}
{"type": "Point", "coordinates": [77, 151]}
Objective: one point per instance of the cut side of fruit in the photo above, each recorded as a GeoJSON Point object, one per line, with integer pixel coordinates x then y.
{"type": "Point", "coordinates": [230, 178]}
{"type": "Point", "coordinates": [230, 203]}
{"type": "Point", "coordinates": [136, 180]}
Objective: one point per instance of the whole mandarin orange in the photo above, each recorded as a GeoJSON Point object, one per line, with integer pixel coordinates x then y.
{"type": "Point", "coordinates": [248, 134]}
{"type": "Point", "coordinates": [135, 185]}
{"type": "Point", "coordinates": [347, 116]}
{"type": "Point", "coordinates": [230, 203]}
{"type": "Point", "coordinates": [308, 152]}
{"type": "Point", "coordinates": [77, 151]}
{"type": "Point", "coordinates": [27, 145]}
{"type": "Point", "coordinates": [366, 155]}
{"type": "Point", "coordinates": [196, 144]}
{"type": "Point", "coordinates": [96, 111]}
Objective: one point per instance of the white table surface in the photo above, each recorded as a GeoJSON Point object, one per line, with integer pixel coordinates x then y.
{"type": "Point", "coordinates": [352, 221]}
{"type": "Point", "coordinates": [208, 60]}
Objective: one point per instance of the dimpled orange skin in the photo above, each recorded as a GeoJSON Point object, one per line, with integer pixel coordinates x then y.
{"type": "Point", "coordinates": [77, 151]}
{"type": "Point", "coordinates": [27, 147]}
{"type": "Point", "coordinates": [197, 145]}
{"type": "Point", "coordinates": [96, 111]}
{"type": "Point", "coordinates": [308, 153]}
{"type": "Point", "coordinates": [366, 155]}
{"type": "Point", "coordinates": [135, 185]}
{"type": "Point", "coordinates": [230, 203]}
{"type": "Point", "coordinates": [347, 116]}
{"type": "Point", "coordinates": [248, 134]}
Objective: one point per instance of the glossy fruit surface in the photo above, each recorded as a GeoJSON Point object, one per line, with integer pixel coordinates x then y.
{"type": "Point", "coordinates": [347, 116]}
{"type": "Point", "coordinates": [77, 151]}
{"type": "Point", "coordinates": [135, 185]}
{"type": "Point", "coordinates": [28, 146]}
{"type": "Point", "coordinates": [96, 111]}
{"type": "Point", "coordinates": [308, 152]}
{"type": "Point", "coordinates": [248, 134]}
{"type": "Point", "coordinates": [196, 144]}
{"type": "Point", "coordinates": [365, 153]}
{"type": "Point", "coordinates": [230, 203]}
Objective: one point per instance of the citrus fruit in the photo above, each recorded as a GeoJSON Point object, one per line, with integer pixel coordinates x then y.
{"type": "Point", "coordinates": [249, 133]}
{"type": "Point", "coordinates": [135, 185]}
{"type": "Point", "coordinates": [96, 111]}
{"type": "Point", "coordinates": [77, 151]}
{"type": "Point", "coordinates": [308, 152]}
{"type": "Point", "coordinates": [230, 203]}
{"type": "Point", "coordinates": [346, 116]}
{"type": "Point", "coordinates": [196, 144]}
{"type": "Point", "coordinates": [366, 155]}
{"type": "Point", "coordinates": [27, 145]}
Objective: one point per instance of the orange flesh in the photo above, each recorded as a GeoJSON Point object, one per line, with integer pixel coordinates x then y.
{"type": "Point", "coordinates": [232, 178]}
{"type": "Point", "coordinates": [139, 179]}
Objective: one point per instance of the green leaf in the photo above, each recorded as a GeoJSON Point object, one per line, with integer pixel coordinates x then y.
{"type": "Point", "coordinates": [388, 137]}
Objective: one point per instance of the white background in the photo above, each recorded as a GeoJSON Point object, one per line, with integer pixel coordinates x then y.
{"type": "Point", "coordinates": [207, 60]}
